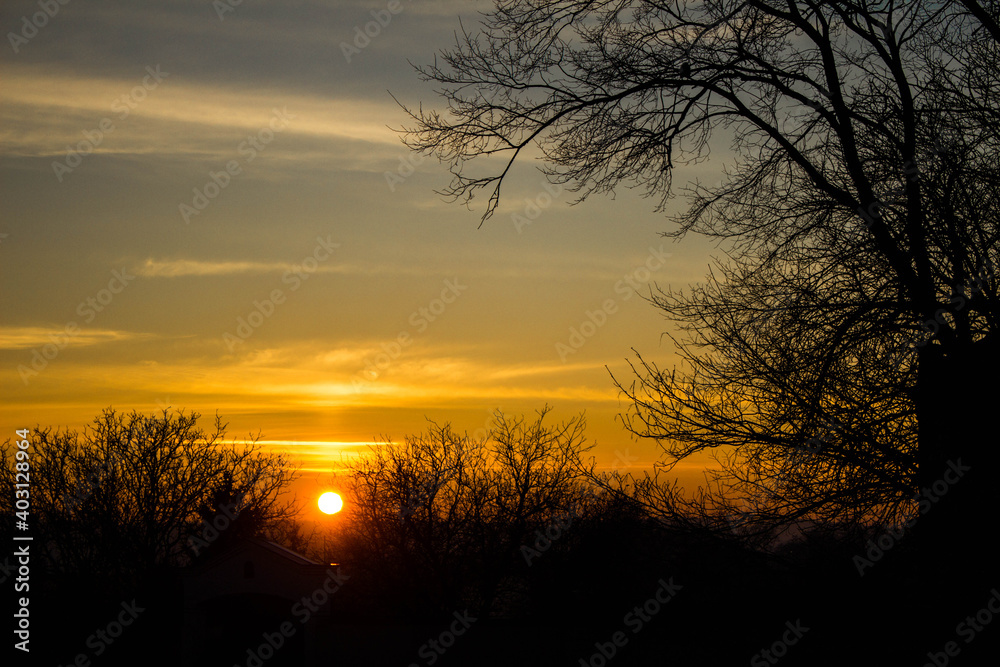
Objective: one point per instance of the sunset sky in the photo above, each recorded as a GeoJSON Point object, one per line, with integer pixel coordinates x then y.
{"type": "Point", "coordinates": [208, 210]}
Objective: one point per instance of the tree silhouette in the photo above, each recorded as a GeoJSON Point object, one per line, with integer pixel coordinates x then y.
{"type": "Point", "coordinates": [439, 520]}
{"type": "Point", "coordinates": [810, 422]}
{"type": "Point", "coordinates": [865, 151]}
{"type": "Point", "coordinates": [136, 493]}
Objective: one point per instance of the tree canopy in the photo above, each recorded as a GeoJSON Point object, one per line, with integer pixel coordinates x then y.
{"type": "Point", "coordinates": [136, 492]}
{"type": "Point", "coordinates": [453, 515]}
{"type": "Point", "coordinates": [859, 207]}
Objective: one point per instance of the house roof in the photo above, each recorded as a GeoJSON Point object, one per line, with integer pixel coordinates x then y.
{"type": "Point", "coordinates": [252, 566]}
{"type": "Point", "coordinates": [214, 557]}
{"type": "Point", "coordinates": [296, 558]}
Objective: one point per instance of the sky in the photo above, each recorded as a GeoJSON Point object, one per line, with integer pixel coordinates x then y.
{"type": "Point", "coordinates": [206, 206]}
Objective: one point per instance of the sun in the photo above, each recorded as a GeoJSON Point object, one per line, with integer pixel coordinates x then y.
{"type": "Point", "coordinates": [330, 503]}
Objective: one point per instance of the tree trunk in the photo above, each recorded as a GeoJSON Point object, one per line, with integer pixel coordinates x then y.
{"type": "Point", "coordinates": [957, 410]}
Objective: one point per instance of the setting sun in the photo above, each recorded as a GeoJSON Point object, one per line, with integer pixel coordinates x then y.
{"type": "Point", "coordinates": [330, 503]}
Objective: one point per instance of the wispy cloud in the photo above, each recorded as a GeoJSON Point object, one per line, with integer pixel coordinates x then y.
{"type": "Point", "coordinates": [45, 111]}
{"type": "Point", "coordinates": [567, 266]}
{"type": "Point", "coordinates": [23, 338]}
{"type": "Point", "coordinates": [176, 268]}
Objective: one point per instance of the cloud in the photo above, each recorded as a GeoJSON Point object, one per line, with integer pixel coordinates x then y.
{"type": "Point", "coordinates": [46, 111]}
{"type": "Point", "coordinates": [23, 338]}
{"type": "Point", "coordinates": [566, 266]}
{"type": "Point", "coordinates": [176, 268]}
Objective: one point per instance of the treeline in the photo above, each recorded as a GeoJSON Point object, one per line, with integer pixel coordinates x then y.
{"type": "Point", "coordinates": [116, 511]}
{"type": "Point", "coordinates": [516, 529]}
{"type": "Point", "coordinates": [447, 521]}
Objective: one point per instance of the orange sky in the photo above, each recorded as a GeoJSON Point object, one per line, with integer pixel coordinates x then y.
{"type": "Point", "coordinates": [213, 215]}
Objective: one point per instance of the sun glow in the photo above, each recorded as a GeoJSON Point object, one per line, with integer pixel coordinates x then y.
{"type": "Point", "coordinates": [330, 503]}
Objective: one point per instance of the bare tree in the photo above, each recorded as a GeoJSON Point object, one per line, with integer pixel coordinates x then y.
{"type": "Point", "coordinates": [864, 156]}
{"type": "Point", "coordinates": [136, 492]}
{"type": "Point", "coordinates": [441, 517]}
{"type": "Point", "coordinates": [810, 422]}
